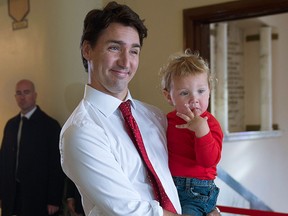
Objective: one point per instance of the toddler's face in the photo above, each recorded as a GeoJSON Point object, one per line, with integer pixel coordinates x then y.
{"type": "Point", "coordinates": [192, 90]}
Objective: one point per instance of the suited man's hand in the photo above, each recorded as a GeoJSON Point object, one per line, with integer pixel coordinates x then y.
{"type": "Point", "coordinates": [52, 209]}
{"type": "Point", "coordinates": [71, 206]}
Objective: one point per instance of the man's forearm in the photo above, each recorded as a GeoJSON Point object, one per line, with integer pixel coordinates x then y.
{"type": "Point", "coordinates": [167, 213]}
{"type": "Point", "coordinates": [215, 212]}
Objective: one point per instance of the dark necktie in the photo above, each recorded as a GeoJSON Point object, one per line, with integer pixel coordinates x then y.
{"type": "Point", "coordinates": [135, 135]}
{"type": "Point", "coordinates": [20, 129]}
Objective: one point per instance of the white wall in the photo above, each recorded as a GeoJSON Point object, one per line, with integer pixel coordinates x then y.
{"type": "Point", "coordinates": [261, 165]}
{"type": "Point", "coordinates": [48, 53]}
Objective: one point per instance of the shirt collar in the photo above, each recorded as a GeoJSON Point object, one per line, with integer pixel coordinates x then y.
{"type": "Point", "coordinates": [105, 103]}
{"type": "Point", "coordinates": [30, 113]}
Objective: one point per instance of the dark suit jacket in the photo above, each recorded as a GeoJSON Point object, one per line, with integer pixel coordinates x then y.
{"type": "Point", "coordinates": [72, 192]}
{"type": "Point", "coordinates": [40, 172]}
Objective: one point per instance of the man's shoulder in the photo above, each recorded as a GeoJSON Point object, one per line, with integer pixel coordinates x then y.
{"type": "Point", "coordinates": [151, 113]}
{"type": "Point", "coordinates": [43, 116]}
{"type": "Point", "coordinates": [143, 106]}
{"type": "Point", "coordinates": [13, 120]}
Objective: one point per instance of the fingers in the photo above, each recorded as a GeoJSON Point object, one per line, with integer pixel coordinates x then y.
{"type": "Point", "coordinates": [192, 113]}
{"type": "Point", "coordinates": [189, 112]}
{"type": "Point", "coordinates": [196, 112]}
{"type": "Point", "coordinates": [184, 117]}
{"type": "Point", "coordinates": [182, 126]}
{"type": "Point", "coordinates": [52, 209]}
{"type": "Point", "coordinates": [188, 115]}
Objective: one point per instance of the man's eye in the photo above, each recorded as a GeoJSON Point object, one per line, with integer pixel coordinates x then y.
{"type": "Point", "coordinates": [135, 52]}
{"type": "Point", "coordinates": [25, 92]}
{"type": "Point", "coordinates": [113, 48]}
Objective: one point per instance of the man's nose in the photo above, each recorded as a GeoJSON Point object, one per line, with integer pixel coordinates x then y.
{"type": "Point", "coordinates": [124, 59]}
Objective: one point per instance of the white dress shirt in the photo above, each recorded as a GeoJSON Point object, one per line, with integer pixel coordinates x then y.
{"type": "Point", "coordinates": [99, 156]}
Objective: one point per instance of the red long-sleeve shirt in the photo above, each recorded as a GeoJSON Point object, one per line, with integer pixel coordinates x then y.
{"type": "Point", "coordinates": [190, 156]}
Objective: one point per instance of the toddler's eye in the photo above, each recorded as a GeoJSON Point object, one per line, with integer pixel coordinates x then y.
{"type": "Point", "coordinates": [183, 93]}
{"type": "Point", "coordinates": [201, 91]}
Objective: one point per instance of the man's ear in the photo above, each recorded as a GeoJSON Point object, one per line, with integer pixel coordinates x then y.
{"type": "Point", "coordinates": [167, 96]}
{"type": "Point", "coordinates": [85, 49]}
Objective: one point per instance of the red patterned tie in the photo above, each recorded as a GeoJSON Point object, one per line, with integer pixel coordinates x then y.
{"type": "Point", "coordinates": [135, 135]}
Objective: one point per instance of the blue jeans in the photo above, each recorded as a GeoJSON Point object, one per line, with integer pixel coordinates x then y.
{"type": "Point", "coordinates": [197, 197]}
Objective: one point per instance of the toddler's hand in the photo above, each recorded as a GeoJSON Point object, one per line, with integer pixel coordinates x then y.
{"type": "Point", "coordinates": [194, 122]}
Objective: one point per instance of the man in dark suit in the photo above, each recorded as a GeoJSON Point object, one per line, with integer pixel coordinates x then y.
{"type": "Point", "coordinates": [31, 178]}
{"type": "Point", "coordinates": [73, 199]}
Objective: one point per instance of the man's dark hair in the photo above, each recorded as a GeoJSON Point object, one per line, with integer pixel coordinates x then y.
{"type": "Point", "coordinates": [98, 20]}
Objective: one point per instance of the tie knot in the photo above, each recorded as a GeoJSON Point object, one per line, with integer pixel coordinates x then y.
{"type": "Point", "coordinates": [125, 108]}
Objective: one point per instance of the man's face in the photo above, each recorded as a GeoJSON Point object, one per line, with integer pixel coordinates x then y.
{"type": "Point", "coordinates": [25, 96]}
{"type": "Point", "coordinates": [114, 59]}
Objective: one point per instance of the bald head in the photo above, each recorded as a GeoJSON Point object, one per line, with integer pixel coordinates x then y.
{"type": "Point", "coordinates": [25, 95]}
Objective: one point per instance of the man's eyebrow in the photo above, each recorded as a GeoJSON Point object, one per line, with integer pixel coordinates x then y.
{"type": "Point", "coordinates": [121, 43]}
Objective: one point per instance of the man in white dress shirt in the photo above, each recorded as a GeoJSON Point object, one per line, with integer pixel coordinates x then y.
{"type": "Point", "coordinates": [97, 154]}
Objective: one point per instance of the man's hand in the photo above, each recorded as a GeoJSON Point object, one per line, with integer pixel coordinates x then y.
{"type": "Point", "coordinates": [52, 209]}
{"type": "Point", "coordinates": [167, 213]}
{"type": "Point", "coordinates": [215, 212]}
{"type": "Point", "coordinates": [71, 206]}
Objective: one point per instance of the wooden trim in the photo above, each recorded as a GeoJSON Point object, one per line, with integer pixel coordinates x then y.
{"type": "Point", "coordinates": [196, 21]}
